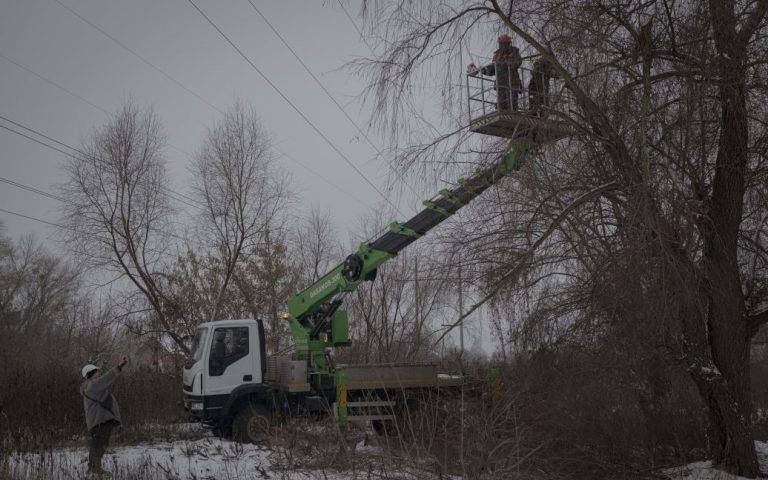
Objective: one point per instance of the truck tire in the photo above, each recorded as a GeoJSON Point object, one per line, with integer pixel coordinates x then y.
{"type": "Point", "coordinates": [251, 424]}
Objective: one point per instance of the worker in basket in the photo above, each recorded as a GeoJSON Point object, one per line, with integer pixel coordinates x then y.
{"type": "Point", "coordinates": [505, 66]}
{"type": "Point", "coordinates": [539, 87]}
{"type": "Point", "coordinates": [102, 413]}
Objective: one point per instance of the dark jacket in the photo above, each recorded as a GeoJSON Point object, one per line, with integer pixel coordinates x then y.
{"type": "Point", "coordinates": [506, 63]}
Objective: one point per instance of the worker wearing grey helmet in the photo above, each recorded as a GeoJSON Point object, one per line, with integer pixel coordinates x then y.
{"type": "Point", "coordinates": [102, 413]}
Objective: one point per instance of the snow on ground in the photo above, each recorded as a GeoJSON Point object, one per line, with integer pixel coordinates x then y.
{"type": "Point", "coordinates": [211, 458]}
{"type": "Point", "coordinates": [206, 458]}
{"type": "Point", "coordinates": [200, 459]}
{"type": "Point", "coordinates": [704, 470]}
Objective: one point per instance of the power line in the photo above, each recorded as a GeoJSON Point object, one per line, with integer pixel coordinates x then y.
{"type": "Point", "coordinates": [106, 112]}
{"type": "Point", "coordinates": [44, 193]}
{"type": "Point", "coordinates": [135, 54]}
{"type": "Point", "coordinates": [323, 178]}
{"type": "Point", "coordinates": [47, 194]}
{"type": "Point", "coordinates": [64, 227]}
{"type": "Point", "coordinates": [85, 100]}
{"type": "Point", "coordinates": [31, 218]}
{"type": "Point", "coordinates": [293, 106]}
{"type": "Point", "coordinates": [188, 155]}
{"type": "Point", "coordinates": [357, 29]}
{"type": "Point", "coordinates": [34, 190]}
{"type": "Point", "coordinates": [325, 90]}
{"type": "Point", "coordinates": [36, 132]}
{"type": "Point", "coordinates": [69, 154]}
{"type": "Point", "coordinates": [51, 82]}
{"type": "Point", "coordinates": [169, 191]}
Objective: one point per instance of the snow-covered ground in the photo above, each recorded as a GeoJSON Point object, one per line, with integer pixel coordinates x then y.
{"type": "Point", "coordinates": [210, 458]}
{"type": "Point", "coordinates": [196, 459]}
{"type": "Point", "coordinates": [206, 458]}
{"type": "Point", "coordinates": [704, 470]}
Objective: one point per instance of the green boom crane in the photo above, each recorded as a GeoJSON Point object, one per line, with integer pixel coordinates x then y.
{"type": "Point", "coordinates": [238, 388]}
{"type": "Point", "coordinates": [318, 323]}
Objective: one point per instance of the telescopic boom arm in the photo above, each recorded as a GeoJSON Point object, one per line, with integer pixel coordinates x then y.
{"type": "Point", "coordinates": [316, 321]}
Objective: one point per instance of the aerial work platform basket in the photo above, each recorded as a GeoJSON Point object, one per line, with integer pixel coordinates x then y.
{"type": "Point", "coordinates": [515, 104]}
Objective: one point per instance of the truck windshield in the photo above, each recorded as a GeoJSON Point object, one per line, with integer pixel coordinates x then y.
{"type": "Point", "coordinates": [198, 343]}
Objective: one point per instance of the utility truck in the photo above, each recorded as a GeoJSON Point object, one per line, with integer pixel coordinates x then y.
{"type": "Point", "coordinates": [235, 387]}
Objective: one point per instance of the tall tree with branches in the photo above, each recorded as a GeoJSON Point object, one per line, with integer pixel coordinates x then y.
{"type": "Point", "coordinates": [118, 208]}
{"type": "Point", "coordinates": [242, 189]}
{"type": "Point", "coordinates": [665, 101]}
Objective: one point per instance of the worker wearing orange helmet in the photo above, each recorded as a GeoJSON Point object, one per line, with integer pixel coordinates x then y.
{"type": "Point", "coordinates": [505, 66]}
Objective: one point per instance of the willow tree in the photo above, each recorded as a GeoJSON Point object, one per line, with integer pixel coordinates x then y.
{"type": "Point", "coordinates": [666, 100]}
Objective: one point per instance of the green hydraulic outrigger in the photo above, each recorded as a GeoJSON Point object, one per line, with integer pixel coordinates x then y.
{"type": "Point", "coordinates": [316, 321]}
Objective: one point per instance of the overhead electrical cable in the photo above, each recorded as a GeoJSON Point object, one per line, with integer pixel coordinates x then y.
{"type": "Point", "coordinates": [136, 54]}
{"type": "Point", "coordinates": [69, 154]}
{"type": "Point", "coordinates": [28, 217]}
{"type": "Point", "coordinates": [64, 227]}
{"type": "Point", "coordinates": [293, 159]}
{"type": "Point", "coordinates": [293, 106]}
{"type": "Point", "coordinates": [51, 82]}
{"type": "Point", "coordinates": [50, 195]}
{"type": "Point", "coordinates": [33, 190]}
{"type": "Point", "coordinates": [76, 153]}
{"type": "Point", "coordinates": [357, 29]}
{"type": "Point", "coordinates": [327, 93]}
{"type": "Point", "coordinates": [323, 178]}
{"type": "Point", "coordinates": [84, 100]}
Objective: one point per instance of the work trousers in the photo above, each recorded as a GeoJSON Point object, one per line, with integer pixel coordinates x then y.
{"type": "Point", "coordinates": [507, 98]}
{"type": "Point", "coordinates": [98, 445]}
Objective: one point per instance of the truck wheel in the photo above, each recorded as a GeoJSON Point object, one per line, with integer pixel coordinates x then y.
{"type": "Point", "coordinates": [251, 424]}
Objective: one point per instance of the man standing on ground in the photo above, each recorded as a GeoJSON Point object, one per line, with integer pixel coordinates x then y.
{"type": "Point", "coordinates": [102, 414]}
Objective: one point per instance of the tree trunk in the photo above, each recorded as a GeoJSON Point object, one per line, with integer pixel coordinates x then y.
{"type": "Point", "coordinates": [726, 387]}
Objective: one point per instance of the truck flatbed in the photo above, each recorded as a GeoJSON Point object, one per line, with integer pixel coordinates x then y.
{"type": "Point", "coordinates": [380, 376]}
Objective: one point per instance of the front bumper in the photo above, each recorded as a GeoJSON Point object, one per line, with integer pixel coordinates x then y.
{"type": "Point", "coordinates": [195, 406]}
{"type": "Point", "coordinates": [205, 408]}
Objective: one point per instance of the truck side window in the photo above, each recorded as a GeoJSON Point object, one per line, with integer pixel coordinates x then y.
{"type": "Point", "coordinates": [229, 345]}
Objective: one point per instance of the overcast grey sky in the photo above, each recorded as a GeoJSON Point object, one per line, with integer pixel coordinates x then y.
{"type": "Point", "coordinates": [49, 40]}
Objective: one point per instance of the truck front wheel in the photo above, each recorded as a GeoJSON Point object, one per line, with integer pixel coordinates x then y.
{"type": "Point", "coordinates": [251, 424]}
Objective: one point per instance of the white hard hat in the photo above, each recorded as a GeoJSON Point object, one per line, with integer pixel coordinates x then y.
{"type": "Point", "coordinates": [88, 369]}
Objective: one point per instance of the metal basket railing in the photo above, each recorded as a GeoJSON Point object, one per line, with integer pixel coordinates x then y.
{"type": "Point", "coordinates": [485, 95]}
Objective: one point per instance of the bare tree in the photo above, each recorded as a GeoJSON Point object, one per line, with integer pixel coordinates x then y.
{"type": "Point", "coordinates": [242, 189]}
{"type": "Point", "coordinates": [36, 288]}
{"type": "Point", "coordinates": [394, 318]}
{"type": "Point", "coordinates": [666, 100]}
{"type": "Point", "coordinates": [193, 282]}
{"type": "Point", "coordinates": [265, 279]}
{"type": "Point", "coordinates": [316, 246]}
{"type": "Point", "coordinates": [118, 208]}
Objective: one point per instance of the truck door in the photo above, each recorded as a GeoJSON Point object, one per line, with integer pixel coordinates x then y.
{"type": "Point", "coordinates": [233, 359]}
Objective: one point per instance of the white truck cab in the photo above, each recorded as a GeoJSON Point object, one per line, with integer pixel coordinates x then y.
{"type": "Point", "coordinates": [231, 387]}
{"type": "Point", "coordinates": [225, 355]}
